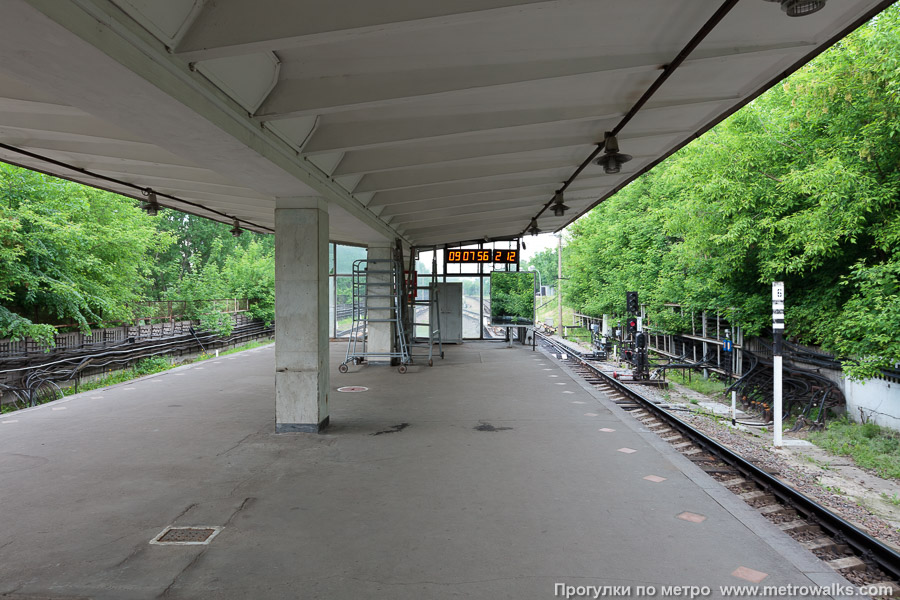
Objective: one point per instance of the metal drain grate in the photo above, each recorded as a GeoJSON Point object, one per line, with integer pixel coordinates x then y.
{"type": "Point", "coordinates": [186, 536]}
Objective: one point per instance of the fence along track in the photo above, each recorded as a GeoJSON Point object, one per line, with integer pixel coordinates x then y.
{"type": "Point", "coordinates": [26, 376]}
{"type": "Point", "coordinates": [871, 561]}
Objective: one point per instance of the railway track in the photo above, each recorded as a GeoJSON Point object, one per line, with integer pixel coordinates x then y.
{"type": "Point", "coordinates": [860, 558]}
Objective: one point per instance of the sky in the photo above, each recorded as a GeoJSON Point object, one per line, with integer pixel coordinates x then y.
{"type": "Point", "coordinates": [537, 243]}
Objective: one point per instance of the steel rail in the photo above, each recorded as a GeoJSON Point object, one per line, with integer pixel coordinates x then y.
{"type": "Point", "coordinates": [869, 548]}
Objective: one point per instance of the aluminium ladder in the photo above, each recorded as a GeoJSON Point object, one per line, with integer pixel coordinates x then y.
{"type": "Point", "coordinates": [379, 280]}
{"type": "Point", "coordinates": [433, 303]}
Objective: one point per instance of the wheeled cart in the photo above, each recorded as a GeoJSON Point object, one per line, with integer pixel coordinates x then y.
{"type": "Point", "coordinates": [376, 298]}
{"type": "Point", "coordinates": [432, 305]}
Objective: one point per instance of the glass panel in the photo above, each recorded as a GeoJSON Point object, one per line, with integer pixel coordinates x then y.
{"type": "Point", "coordinates": [464, 268]}
{"type": "Point", "coordinates": [345, 257]}
{"type": "Point", "coordinates": [331, 259]}
{"type": "Point", "coordinates": [423, 263]}
{"type": "Point", "coordinates": [343, 306]}
{"type": "Point", "coordinates": [472, 314]}
{"type": "Point", "coordinates": [331, 307]}
{"type": "Point", "coordinates": [490, 333]}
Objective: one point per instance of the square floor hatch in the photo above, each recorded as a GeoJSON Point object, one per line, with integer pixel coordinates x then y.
{"type": "Point", "coordinates": [186, 536]}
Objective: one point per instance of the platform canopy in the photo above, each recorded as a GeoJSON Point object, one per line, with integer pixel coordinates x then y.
{"type": "Point", "coordinates": [435, 121]}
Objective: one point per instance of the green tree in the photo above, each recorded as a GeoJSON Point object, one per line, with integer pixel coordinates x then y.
{"type": "Point", "coordinates": [197, 242]}
{"type": "Point", "coordinates": [512, 298]}
{"type": "Point", "coordinates": [801, 186]}
{"type": "Point", "coordinates": [545, 263]}
{"type": "Point", "coordinates": [70, 254]}
{"type": "Point", "coordinates": [250, 274]}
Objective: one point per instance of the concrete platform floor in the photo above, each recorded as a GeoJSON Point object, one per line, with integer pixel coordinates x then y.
{"type": "Point", "coordinates": [494, 474]}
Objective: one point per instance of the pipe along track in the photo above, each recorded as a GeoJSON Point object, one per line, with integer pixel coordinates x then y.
{"type": "Point", "coordinates": [859, 557]}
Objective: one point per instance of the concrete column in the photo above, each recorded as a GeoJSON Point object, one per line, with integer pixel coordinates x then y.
{"type": "Point", "coordinates": [301, 315]}
{"type": "Point", "coordinates": [381, 335]}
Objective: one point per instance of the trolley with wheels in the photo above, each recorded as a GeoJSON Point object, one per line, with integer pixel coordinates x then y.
{"type": "Point", "coordinates": [376, 298]}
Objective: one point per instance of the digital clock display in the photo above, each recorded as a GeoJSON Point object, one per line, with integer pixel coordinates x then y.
{"type": "Point", "coordinates": [507, 257]}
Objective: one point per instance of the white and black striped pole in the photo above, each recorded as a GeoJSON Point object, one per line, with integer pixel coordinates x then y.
{"type": "Point", "coordinates": [778, 335]}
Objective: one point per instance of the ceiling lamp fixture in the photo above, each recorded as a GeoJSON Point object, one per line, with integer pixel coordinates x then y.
{"type": "Point", "coordinates": [533, 227]}
{"type": "Point", "coordinates": [236, 231]}
{"type": "Point", "coordinates": [559, 209]}
{"type": "Point", "coordinates": [800, 8]}
{"type": "Point", "coordinates": [612, 160]}
{"type": "Point", "coordinates": [151, 205]}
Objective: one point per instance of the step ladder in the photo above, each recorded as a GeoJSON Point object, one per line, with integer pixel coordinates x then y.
{"type": "Point", "coordinates": [380, 280]}
{"type": "Point", "coordinates": [433, 324]}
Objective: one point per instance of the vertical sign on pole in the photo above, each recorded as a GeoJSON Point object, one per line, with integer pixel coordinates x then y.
{"type": "Point", "coordinates": [561, 331]}
{"type": "Point", "coordinates": [726, 349]}
{"type": "Point", "coordinates": [778, 334]}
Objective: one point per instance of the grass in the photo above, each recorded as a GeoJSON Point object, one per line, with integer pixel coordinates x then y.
{"type": "Point", "coordinates": [710, 387]}
{"type": "Point", "coordinates": [247, 346]}
{"type": "Point", "coordinates": [825, 466]}
{"type": "Point", "coordinates": [895, 499]}
{"type": "Point", "coordinates": [146, 366]}
{"type": "Point", "coordinates": [579, 335]}
{"type": "Point", "coordinates": [550, 312]}
{"type": "Point", "coordinates": [870, 446]}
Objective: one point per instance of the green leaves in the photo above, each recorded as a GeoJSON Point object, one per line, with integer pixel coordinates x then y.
{"type": "Point", "coordinates": [70, 254]}
{"type": "Point", "coordinates": [802, 185]}
{"type": "Point", "coordinates": [73, 255]}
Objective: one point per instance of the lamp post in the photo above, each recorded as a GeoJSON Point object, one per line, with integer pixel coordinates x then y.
{"type": "Point", "coordinates": [540, 280]}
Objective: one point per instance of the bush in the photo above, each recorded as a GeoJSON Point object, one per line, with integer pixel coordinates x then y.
{"type": "Point", "coordinates": [150, 365]}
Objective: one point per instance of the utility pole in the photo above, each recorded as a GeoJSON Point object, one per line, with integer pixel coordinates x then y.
{"type": "Point", "coordinates": [562, 332]}
{"type": "Point", "coordinates": [778, 335]}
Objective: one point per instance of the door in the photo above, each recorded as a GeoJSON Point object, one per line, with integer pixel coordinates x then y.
{"type": "Point", "coordinates": [450, 298]}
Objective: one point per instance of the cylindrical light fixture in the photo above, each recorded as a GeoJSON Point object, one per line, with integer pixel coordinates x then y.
{"type": "Point", "coordinates": [612, 160]}
{"type": "Point", "coordinates": [151, 205]}
{"type": "Point", "coordinates": [558, 207]}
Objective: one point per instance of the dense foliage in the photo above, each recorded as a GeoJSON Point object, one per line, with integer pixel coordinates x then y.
{"type": "Point", "coordinates": [77, 256]}
{"type": "Point", "coordinates": [801, 186]}
{"type": "Point", "coordinates": [512, 298]}
{"type": "Point", "coordinates": [545, 262]}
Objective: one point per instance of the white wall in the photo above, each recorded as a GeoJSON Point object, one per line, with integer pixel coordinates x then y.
{"type": "Point", "coordinates": [875, 401]}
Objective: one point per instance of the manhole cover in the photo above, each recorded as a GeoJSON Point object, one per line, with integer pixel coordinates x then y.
{"type": "Point", "coordinates": [186, 536]}
{"type": "Point", "coordinates": [353, 388]}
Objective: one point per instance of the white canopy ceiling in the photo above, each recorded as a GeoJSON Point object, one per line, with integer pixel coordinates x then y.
{"type": "Point", "coordinates": [434, 121]}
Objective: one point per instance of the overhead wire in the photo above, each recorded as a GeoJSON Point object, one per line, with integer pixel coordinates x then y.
{"type": "Point", "coordinates": [667, 72]}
